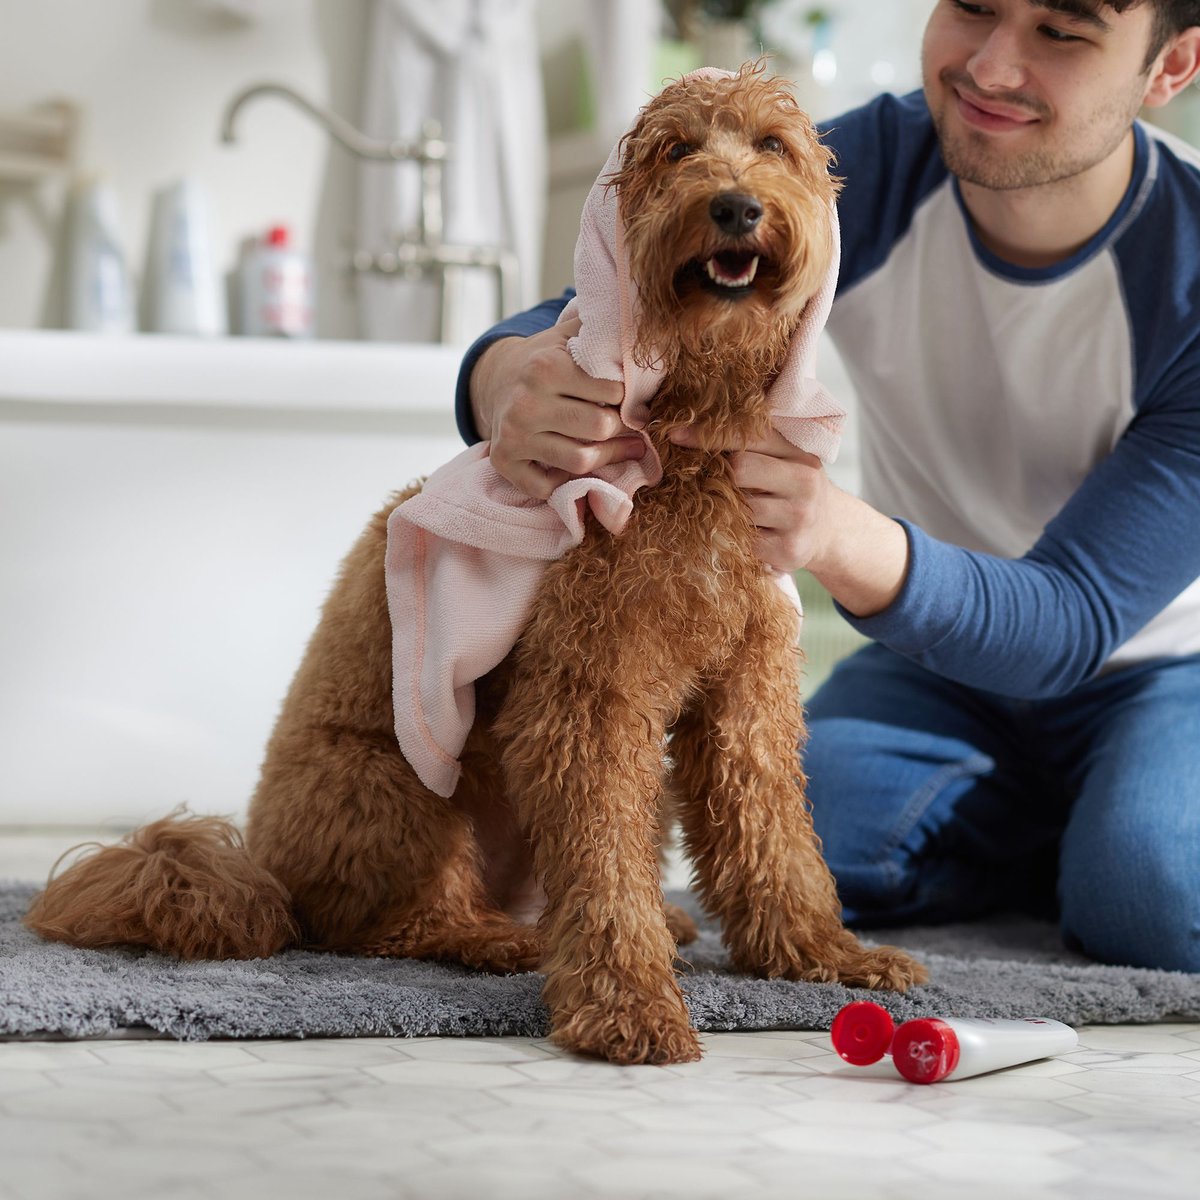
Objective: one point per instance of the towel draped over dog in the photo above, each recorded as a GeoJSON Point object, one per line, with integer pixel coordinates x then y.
{"type": "Point", "coordinates": [465, 556]}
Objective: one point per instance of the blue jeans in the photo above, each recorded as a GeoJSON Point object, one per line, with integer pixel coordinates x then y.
{"type": "Point", "coordinates": [937, 802]}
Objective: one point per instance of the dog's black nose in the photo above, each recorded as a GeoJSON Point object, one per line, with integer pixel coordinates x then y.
{"type": "Point", "coordinates": [736, 213]}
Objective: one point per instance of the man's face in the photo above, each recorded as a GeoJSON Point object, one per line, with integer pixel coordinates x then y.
{"type": "Point", "coordinates": [1030, 92]}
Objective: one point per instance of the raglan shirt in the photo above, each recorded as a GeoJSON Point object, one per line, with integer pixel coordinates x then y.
{"type": "Point", "coordinates": [1036, 432]}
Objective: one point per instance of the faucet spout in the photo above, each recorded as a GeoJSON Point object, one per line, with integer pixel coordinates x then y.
{"type": "Point", "coordinates": [429, 149]}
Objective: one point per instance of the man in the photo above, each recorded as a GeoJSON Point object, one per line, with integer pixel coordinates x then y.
{"type": "Point", "coordinates": [1020, 278]}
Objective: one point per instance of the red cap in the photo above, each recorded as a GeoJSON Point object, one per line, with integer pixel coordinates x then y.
{"type": "Point", "coordinates": [862, 1032]}
{"type": "Point", "coordinates": [278, 235]}
{"type": "Point", "coordinates": [925, 1050]}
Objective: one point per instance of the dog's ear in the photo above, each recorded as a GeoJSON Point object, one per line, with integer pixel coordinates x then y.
{"type": "Point", "coordinates": [633, 151]}
{"type": "Point", "coordinates": [660, 125]}
{"type": "Point", "coordinates": [813, 158]}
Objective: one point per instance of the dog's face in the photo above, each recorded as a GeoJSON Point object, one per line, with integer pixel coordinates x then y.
{"type": "Point", "coordinates": [724, 189]}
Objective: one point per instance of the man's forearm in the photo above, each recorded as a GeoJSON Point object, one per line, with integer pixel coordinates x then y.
{"type": "Point", "coordinates": [864, 562]}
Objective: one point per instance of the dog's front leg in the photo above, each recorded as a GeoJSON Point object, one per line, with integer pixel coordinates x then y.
{"type": "Point", "coordinates": [747, 827]}
{"type": "Point", "coordinates": [585, 770]}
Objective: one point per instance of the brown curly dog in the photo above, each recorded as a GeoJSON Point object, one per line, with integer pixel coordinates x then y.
{"type": "Point", "coordinates": [565, 778]}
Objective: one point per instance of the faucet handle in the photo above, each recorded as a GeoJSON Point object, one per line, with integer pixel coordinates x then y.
{"type": "Point", "coordinates": [431, 147]}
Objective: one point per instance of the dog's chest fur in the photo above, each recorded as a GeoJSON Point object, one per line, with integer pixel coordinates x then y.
{"type": "Point", "coordinates": [700, 527]}
{"type": "Point", "coordinates": [680, 582]}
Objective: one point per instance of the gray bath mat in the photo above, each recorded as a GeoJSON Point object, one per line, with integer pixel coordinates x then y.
{"type": "Point", "coordinates": [1001, 968]}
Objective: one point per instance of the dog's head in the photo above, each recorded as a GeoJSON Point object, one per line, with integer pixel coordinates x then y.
{"type": "Point", "coordinates": [724, 190]}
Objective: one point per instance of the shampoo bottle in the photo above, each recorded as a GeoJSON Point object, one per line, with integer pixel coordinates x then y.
{"type": "Point", "coordinates": [99, 291]}
{"type": "Point", "coordinates": [183, 295]}
{"type": "Point", "coordinates": [931, 1049]}
{"type": "Point", "coordinates": [277, 288]}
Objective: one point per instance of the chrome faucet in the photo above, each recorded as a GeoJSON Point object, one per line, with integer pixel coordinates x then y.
{"type": "Point", "coordinates": [425, 255]}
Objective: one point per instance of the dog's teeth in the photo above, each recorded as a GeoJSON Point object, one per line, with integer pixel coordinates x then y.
{"type": "Point", "coordinates": [743, 280]}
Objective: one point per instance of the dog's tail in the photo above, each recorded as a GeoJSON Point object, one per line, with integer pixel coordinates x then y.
{"type": "Point", "coordinates": [185, 886]}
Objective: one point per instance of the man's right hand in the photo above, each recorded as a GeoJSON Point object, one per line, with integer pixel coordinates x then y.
{"type": "Point", "coordinates": [547, 419]}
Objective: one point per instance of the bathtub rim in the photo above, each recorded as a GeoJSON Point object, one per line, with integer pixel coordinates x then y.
{"type": "Point", "coordinates": [60, 367]}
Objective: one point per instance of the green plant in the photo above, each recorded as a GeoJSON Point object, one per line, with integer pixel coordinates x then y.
{"type": "Point", "coordinates": [731, 10]}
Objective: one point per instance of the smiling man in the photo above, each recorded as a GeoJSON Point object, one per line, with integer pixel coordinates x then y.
{"type": "Point", "coordinates": [1018, 311]}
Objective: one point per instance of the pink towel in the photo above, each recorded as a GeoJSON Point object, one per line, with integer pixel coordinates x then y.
{"type": "Point", "coordinates": [465, 556]}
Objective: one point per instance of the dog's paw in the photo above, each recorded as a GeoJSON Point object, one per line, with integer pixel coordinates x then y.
{"type": "Point", "coordinates": [506, 953]}
{"type": "Point", "coordinates": [630, 1032]}
{"type": "Point", "coordinates": [500, 946]}
{"type": "Point", "coordinates": [882, 968]}
{"type": "Point", "coordinates": [841, 959]}
{"type": "Point", "coordinates": [681, 927]}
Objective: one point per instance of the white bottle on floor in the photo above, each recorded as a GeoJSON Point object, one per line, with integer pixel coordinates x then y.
{"type": "Point", "coordinates": [930, 1049]}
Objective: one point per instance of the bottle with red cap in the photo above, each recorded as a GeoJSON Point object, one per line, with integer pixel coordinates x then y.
{"type": "Point", "coordinates": [277, 288]}
{"type": "Point", "coordinates": [931, 1049]}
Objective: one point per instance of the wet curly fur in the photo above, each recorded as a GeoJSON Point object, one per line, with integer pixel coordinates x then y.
{"type": "Point", "coordinates": [671, 630]}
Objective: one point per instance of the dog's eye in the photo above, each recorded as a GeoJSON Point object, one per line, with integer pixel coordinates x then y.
{"type": "Point", "coordinates": [678, 150]}
{"type": "Point", "coordinates": [771, 144]}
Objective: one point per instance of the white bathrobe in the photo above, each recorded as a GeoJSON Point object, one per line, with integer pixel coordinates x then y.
{"type": "Point", "coordinates": [473, 66]}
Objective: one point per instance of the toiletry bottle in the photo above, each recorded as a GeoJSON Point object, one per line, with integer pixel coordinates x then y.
{"type": "Point", "coordinates": [183, 295]}
{"type": "Point", "coordinates": [931, 1049]}
{"type": "Point", "coordinates": [99, 291]}
{"type": "Point", "coordinates": [277, 288]}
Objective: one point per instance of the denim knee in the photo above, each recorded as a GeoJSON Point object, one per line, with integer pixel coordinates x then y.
{"type": "Point", "coordinates": [1130, 872]}
{"type": "Point", "coordinates": [882, 800]}
{"type": "Point", "coordinates": [1133, 909]}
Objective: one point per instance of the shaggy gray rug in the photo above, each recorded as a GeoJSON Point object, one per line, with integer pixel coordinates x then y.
{"type": "Point", "coordinates": [1013, 967]}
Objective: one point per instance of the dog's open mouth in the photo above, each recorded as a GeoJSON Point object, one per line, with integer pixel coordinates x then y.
{"type": "Point", "coordinates": [728, 273]}
{"type": "Point", "coordinates": [732, 268]}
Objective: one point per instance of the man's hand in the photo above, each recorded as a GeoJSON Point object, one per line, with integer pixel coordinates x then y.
{"type": "Point", "coordinates": [788, 493]}
{"type": "Point", "coordinates": [547, 419]}
{"type": "Point", "coordinates": [856, 553]}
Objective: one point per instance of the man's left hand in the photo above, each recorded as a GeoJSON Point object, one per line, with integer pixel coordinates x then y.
{"type": "Point", "coordinates": [788, 494]}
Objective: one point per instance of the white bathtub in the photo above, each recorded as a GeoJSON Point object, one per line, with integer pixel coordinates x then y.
{"type": "Point", "coordinates": [172, 512]}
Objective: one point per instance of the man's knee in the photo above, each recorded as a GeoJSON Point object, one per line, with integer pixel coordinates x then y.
{"type": "Point", "coordinates": [1129, 885]}
{"type": "Point", "coordinates": [1138, 910]}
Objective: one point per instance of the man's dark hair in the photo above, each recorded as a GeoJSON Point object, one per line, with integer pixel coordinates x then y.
{"type": "Point", "coordinates": [1170, 17]}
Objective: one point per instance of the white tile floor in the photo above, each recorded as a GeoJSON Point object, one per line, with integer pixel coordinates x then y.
{"type": "Point", "coordinates": [764, 1115]}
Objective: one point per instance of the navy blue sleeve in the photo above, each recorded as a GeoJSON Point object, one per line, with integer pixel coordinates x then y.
{"type": "Point", "coordinates": [1124, 546]}
{"type": "Point", "coordinates": [888, 158]}
{"type": "Point", "coordinates": [521, 324]}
